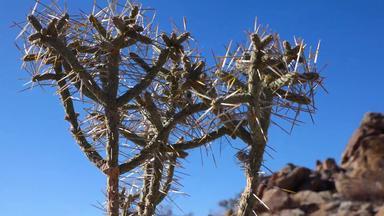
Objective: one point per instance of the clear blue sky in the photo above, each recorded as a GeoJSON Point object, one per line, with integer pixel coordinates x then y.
{"type": "Point", "coordinates": [43, 172]}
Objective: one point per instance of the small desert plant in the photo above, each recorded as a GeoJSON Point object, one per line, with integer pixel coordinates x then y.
{"type": "Point", "coordinates": [137, 99]}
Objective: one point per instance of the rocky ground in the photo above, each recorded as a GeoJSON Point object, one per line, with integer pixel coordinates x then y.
{"type": "Point", "coordinates": [353, 188]}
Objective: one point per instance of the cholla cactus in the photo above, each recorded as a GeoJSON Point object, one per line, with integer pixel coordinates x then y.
{"type": "Point", "coordinates": [125, 92]}
{"type": "Point", "coordinates": [137, 99]}
{"type": "Point", "coordinates": [276, 80]}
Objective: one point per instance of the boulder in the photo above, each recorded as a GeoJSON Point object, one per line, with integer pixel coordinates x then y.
{"type": "Point", "coordinates": [317, 182]}
{"type": "Point", "coordinates": [380, 211]}
{"type": "Point", "coordinates": [366, 147]}
{"type": "Point", "coordinates": [350, 208]}
{"type": "Point", "coordinates": [363, 161]}
{"type": "Point", "coordinates": [364, 186]}
{"type": "Point", "coordinates": [292, 212]}
{"type": "Point", "coordinates": [308, 197]}
{"type": "Point", "coordinates": [276, 199]}
{"type": "Point", "coordinates": [294, 179]}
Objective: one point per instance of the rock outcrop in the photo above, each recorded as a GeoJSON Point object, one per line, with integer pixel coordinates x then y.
{"type": "Point", "coordinates": [363, 161]}
{"type": "Point", "coordinates": [353, 188]}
